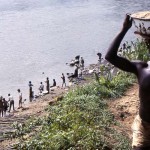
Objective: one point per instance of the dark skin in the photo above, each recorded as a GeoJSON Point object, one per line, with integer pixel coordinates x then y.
{"type": "Point", "coordinates": [139, 68]}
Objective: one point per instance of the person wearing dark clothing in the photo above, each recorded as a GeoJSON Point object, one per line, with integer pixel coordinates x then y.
{"type": "Point", "coordinates": [47, 85]}
{"type": "Point", "coordinates": [141, 69]}
{"type": "Point", "coordinates": [30, 91]}
{"type": "Point", "coordinates": [76, 72]}
{"type": "Point", "coordinates": [5, 106]}
{"type": "Point", "coordinates": [99, 57]}
{"type": "Point", "coordinates": [75, 75]}
{"type": "Point", "coordinates": [77, 57]}
{"type": "Point", "coordinates": [1, 107]}
{"type": "Point", "coordinates": [54, 83]}
{"type": "Point", "coordinates": [82, 62]}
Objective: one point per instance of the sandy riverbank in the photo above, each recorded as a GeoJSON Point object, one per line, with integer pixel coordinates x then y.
{"type": "Point", "coordinates": [36, 108]}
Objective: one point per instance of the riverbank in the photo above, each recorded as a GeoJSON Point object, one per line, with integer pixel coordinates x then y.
{"type": "Point", "coordinates": [80, 99]}
{"type": "Point", "coordinates": [125, 109]}
{"type": "Point", "coordinates": [33, 109]}
{"type": "Point", "coordinates": [37, 107]}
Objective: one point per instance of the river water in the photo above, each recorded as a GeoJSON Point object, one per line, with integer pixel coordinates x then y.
{"type": "Point", "coordinates": [39, 36]}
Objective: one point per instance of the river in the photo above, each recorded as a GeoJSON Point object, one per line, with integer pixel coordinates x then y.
{"type": "Point", "coordinates": [39, 36]}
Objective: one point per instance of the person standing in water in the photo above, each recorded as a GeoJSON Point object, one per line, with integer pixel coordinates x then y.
{"type": "Point", "coordinates": [30, 91]}
{"type": "Point", "coordinates": [141, 124]}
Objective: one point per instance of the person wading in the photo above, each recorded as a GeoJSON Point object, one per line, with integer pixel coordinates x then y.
{"type": "Point", "coordinates": [141, 124]}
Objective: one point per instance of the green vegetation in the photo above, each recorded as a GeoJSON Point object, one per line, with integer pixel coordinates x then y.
{"type": "Point", "coordinates": [81, 120]}
{"type": "Point", "coordinates": [136, 51]}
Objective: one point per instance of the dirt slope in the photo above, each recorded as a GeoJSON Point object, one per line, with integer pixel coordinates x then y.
{"type": "Point", "coordinates": [126, 108]}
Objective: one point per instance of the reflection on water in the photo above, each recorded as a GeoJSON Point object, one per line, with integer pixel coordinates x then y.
{"type": "Point", "coordinates": [41, 36]}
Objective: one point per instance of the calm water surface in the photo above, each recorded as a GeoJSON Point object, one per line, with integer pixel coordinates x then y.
{"type": "Point", "coordinates": [41, 36]}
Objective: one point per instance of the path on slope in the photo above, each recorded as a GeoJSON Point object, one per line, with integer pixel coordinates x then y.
{"type": "Point", "coordinates": [126, 108]}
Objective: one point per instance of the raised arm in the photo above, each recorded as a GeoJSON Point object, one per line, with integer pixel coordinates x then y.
{"type": "Point", "coordinates": [111, 55]}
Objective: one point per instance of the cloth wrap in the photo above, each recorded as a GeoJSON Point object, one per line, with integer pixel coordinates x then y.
{"type": "Point", "coordinates": [141, 133]}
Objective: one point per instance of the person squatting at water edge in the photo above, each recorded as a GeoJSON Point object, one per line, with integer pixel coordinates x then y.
{"type": "Point", "coordinates": [54, 83]}
{"type": "Point", "coordinates": [141, 124]}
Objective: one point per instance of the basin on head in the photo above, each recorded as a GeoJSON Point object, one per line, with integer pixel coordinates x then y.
{"type": "Point", "coordinates": [141, 21]}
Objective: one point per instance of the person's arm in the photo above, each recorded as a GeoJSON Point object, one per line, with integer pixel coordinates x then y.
{"type": "Point", "coordinates": [111, 55]}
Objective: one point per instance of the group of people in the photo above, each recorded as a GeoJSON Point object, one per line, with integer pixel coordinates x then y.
{"type": "Point", "coordinates": [8, 105]}
{"type": "Point", "coordinates": [42, 89]}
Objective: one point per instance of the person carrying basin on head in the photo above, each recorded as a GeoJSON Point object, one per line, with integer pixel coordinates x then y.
{"type": "Point", "coordinates": [141, 124]}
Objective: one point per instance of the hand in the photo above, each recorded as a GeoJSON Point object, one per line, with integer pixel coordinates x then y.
{"type": "Point", "coordinates": [127, 22]}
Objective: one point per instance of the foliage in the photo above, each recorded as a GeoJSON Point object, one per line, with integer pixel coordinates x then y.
{"type": "Point", "coordinates": [82, 120]}
{"type": "Point", "coordinates": [137, 50]}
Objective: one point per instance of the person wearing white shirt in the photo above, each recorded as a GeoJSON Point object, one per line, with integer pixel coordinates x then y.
{"type": "Point", "coordinates": [11, 100]}
{"type": "Point", "coordinates": [20, 98]}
